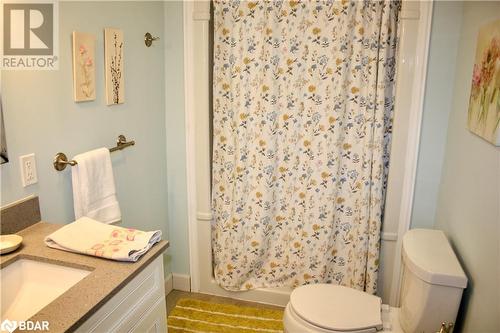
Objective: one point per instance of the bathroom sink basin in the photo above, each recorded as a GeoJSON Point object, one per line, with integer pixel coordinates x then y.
{"type": "Point", "coordinates": [28, 285]}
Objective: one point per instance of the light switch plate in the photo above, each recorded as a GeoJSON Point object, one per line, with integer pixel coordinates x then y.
{"type": "Point", "coordinates": [28, 169]}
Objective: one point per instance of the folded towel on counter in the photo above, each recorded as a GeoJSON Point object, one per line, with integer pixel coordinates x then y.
{"type": "Point", "coordinates": [94, 193]}
{"type": "Point", "coordinates": [94, 238]}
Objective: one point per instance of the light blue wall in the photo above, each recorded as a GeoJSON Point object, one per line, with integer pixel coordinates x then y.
{"type": "Point", "coordinates": [42, 118]}
{"type": "Point", "coordinates": [458, 177]}
{"type": "Point", "coordinates": [469, 199]}
{"type": "Point", "coordinates": [176, 137]}
{"type": "Point", "coordinates": [445, 33]}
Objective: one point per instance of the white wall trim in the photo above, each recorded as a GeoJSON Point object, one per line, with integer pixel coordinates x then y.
{"type": "Point", "coordinates": [204, 216]}
{"type": "Point", "coordinates": [181, 282]}
{"type": "Point", "coordinates": [413, 138]}
{"type": "Point", "coordinates": [389, 236]}
{"type": "Point", "coordinates": [169, 286]}
{"type": "Point", "coordinates": [188, 9]}
{"type": "Point", "coordinates": [409, 14]}
{"type": "Point", "coordinates": [201, 16]}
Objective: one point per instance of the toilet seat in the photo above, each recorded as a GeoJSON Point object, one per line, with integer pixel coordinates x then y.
{"type": "Point", "coordinates": [332, 308]}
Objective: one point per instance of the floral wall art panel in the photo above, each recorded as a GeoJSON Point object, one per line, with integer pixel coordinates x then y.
{"type": "Point", "coordinates": [113, 50]}
{"type": "Point", "coordinates": [484, 103]}
{"type": "Point", "coordinates": [83, 66]}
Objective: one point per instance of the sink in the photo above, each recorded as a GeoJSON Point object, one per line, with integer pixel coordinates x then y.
{"type": "Point", "coordinates": [28, 285]}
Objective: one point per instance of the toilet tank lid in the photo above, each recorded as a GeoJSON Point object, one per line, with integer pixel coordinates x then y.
{"type": "Point", "coordinates": [428, 254]}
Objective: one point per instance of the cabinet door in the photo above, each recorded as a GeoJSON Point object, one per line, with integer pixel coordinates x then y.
{"type": "Point", "coordinates": [155, 321]}
{"type": "Point", "coordinates": [143, 297]}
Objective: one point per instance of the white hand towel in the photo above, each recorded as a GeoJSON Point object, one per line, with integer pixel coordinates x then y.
{"type": "Point", "coordinates": [93, 238]}
{"type": "Point", "coordinates": [94, 193]}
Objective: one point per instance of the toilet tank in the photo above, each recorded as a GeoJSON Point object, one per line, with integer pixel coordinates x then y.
{"type": "Point", "coordinates": [433, 281]}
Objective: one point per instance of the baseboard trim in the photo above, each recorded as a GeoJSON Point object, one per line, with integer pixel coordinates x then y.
{"type": "Point", "coordinates": [181, 282]}
{"type": "Point", "coordinates": [169, 285]}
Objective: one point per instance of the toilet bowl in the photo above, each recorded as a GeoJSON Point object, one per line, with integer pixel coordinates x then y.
{"type": "Point", "coordinates": [330, 308]}
{"type": "Point", "coordinates": [432, 286]}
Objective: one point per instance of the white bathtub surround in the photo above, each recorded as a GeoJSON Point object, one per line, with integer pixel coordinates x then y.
{"type": "Point", "coordinates": [94, 193]}
{"type": "Point", "coordinates": [94, 238]}
{"type": "Point", "coordinates": [302, 131]}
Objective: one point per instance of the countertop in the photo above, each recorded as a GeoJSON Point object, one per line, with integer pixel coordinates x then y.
{"type": "Point", "coordinates": [82, 300]}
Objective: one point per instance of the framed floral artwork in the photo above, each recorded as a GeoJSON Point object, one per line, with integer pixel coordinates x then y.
{"type": "Point", "coordinates": [113, 53]}
{"type": "Point", "coordinates": [484, 103]}
{"type": "Point", "coordinates": [83, 66]}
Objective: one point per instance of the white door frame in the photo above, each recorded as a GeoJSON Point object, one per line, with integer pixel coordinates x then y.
{"type": "Point", "coordinates": [190, 110]}
{"type": "Point", "coordinates": [416, 23]}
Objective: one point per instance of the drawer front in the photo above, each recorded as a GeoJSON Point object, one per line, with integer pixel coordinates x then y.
{"type": "Point", "coordinates": [155, 321]}
{"type": "Point", "coordinates": [131, 303]}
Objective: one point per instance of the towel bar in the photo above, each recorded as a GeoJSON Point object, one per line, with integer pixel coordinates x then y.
{"type": "Point", "coordinates": [61, 160]}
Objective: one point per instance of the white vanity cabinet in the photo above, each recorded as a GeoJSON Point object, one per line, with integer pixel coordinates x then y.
{"type": "Point", "coordinates": [138, 307]}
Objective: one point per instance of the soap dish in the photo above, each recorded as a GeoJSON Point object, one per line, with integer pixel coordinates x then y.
{"type": "Point", "coordinates": [9, 243]}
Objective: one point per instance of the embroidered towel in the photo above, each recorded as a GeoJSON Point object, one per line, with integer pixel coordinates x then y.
{"type": "Point", "coordinates": [94, 238]}
{"type": "Point", "coordinates": [94, 193]}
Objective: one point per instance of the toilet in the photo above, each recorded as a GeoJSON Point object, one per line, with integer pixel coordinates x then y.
{"type": "Point", "coordinates": [431, 290]}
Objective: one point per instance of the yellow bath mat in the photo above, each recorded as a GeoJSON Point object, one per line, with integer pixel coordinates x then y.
{"type": "Point", "coordinates": [194, 316]}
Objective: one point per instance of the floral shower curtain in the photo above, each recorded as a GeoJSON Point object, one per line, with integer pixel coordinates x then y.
{"type": "Point", "coordinates": [303, 106]}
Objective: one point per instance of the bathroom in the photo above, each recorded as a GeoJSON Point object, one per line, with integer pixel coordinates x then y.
{"type": "Point", "coordinates": [441, 175]}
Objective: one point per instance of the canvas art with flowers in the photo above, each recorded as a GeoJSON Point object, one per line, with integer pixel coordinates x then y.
{"type": "Point", "coordinates": [484, 103]}
{"type": "Point", "coordinates": [83, 66]}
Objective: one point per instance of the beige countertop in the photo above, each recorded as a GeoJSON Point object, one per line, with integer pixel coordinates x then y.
{"type": "Point", "coordinates": [82, 300]}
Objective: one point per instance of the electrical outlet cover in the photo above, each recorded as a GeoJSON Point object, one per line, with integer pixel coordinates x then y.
{"type": "Point", "coordinates": [28, 169]}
